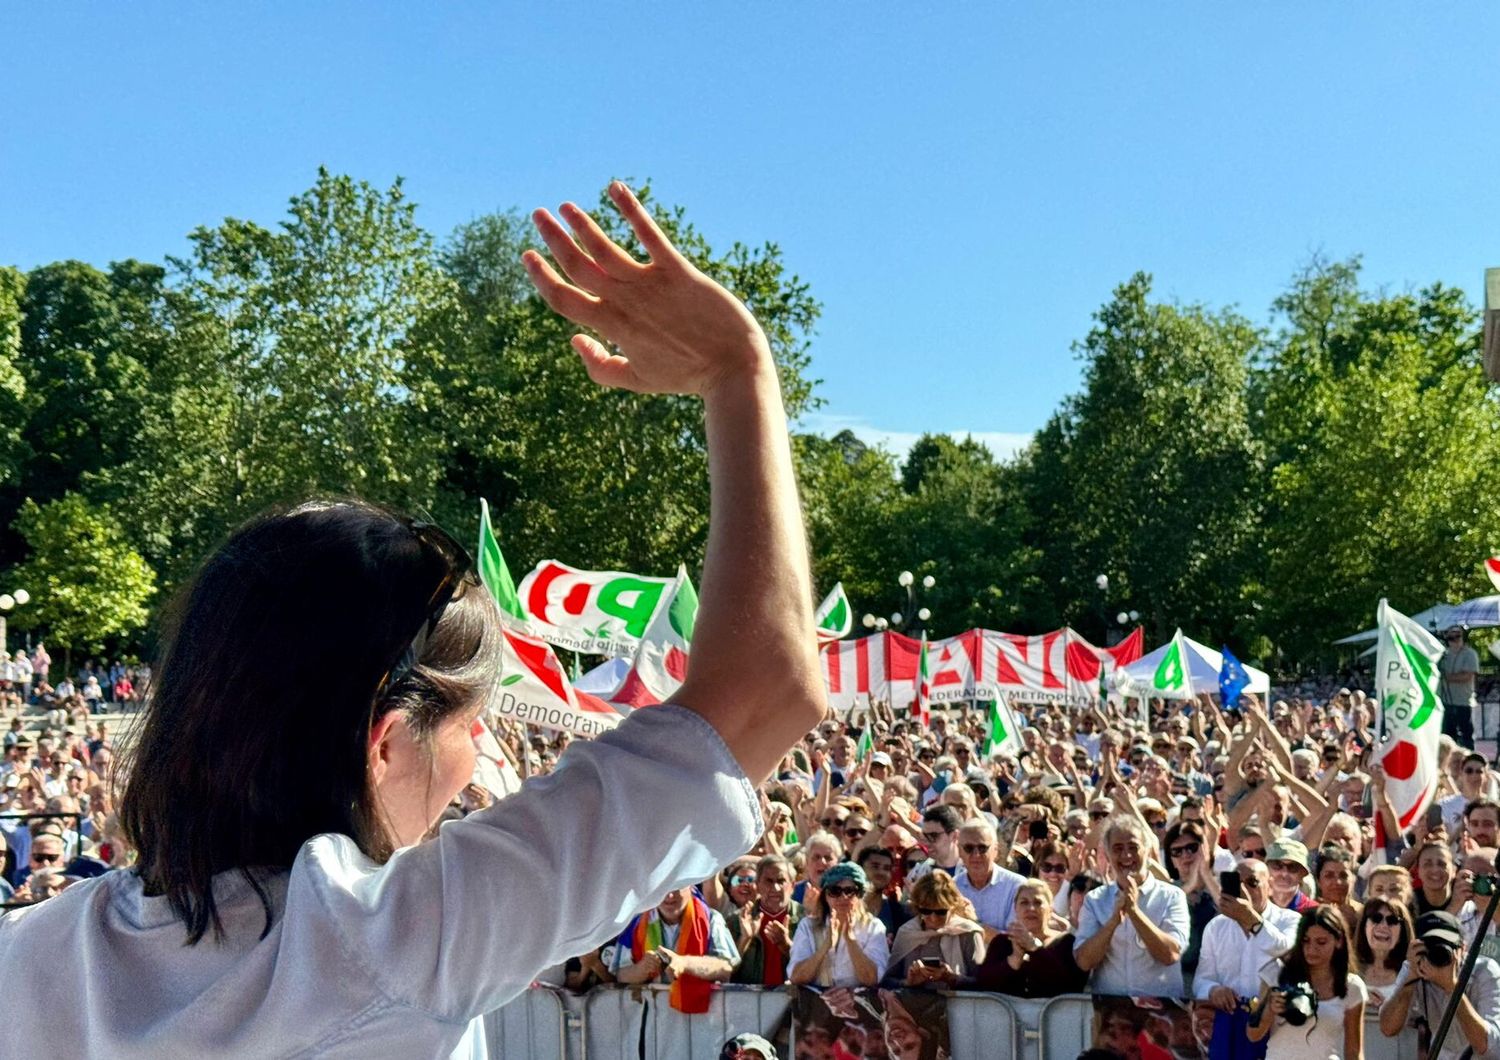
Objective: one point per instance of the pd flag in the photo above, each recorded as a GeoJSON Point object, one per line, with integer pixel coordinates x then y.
{"type": "Point", "coordinates": [1005, 733]}
{"type": "Point", "coordinates": [834, 618]}
{"type": "Point", "coordinates": [494, 572]}
{"type": "Point", "coordinates": [1233, 680]}
{"type": "Point", "coordinates": [1411, 714]}
{"type": "Point", "coordinates": [1171, 679]}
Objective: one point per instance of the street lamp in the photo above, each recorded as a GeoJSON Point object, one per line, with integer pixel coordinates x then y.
{"type": "Point", "coordinates": [8, 603]}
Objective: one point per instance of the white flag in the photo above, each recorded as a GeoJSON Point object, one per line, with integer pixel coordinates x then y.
{"type": "Point", "coordinates": [1411, 713]}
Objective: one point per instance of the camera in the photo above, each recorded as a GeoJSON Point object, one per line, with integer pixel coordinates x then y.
{"type": "Point", "coordinates": [1484, 886]}
{"type": "Point", "coordinates": [1301, 1003]}
{"type": "Point", "coordinates": [1439, 952]}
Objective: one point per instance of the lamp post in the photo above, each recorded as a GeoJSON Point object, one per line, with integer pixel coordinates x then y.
{"type": "Point", "coordinates": [8, 603]}
{"type": "Point", "coordinates": [908, 581]}
{"type": "Point", "coordinates": [1123, 619]}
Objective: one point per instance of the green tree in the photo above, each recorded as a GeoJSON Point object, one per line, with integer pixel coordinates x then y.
{"type": "Point", "coordinates": [1385, 436]}
{"type": "Point", "coordinates": [12, 383]}
{"type": "Point", "coordinates": [598, 477]}
{"type": "Point", "coordinates": [1149, 475]}
{"type": "Point", "coordinates": [299, 365]}
{"type": "Point", "coordinates": [88, 342]}
{"type": "Point", "coordinates": [88, 586]}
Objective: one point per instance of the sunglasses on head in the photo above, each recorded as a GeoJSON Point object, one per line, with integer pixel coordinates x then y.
{"type": "Point", "coordinates": [843, 892]}
{"type": "Point", "coordinates": [458, 575]}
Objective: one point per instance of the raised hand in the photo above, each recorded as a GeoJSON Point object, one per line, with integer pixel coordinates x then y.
{"type": "Point", "coordinates": [674, 330]}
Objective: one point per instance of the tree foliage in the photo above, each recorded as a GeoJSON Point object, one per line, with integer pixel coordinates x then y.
{"type": "Point", "coordinates": [1258, 486]}
{"type": "Point", "coordinates": [88, 586]}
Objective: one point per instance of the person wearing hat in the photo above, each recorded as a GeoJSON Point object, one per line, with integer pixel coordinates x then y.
{"type": "Point", "coordinates": [1287, 860]}
{"type": "Point", "coordinates": [839, 943]}
{"type": "Point", "coordinates": [748, 1047]}
{"type": "Point", "coordinates": [1459, 666]}
{"type": "Point", "coordinates": [1426, 982]}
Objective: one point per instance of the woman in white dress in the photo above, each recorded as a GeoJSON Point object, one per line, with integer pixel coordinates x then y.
{"type": "Point", "coordinates": [1319, 961]}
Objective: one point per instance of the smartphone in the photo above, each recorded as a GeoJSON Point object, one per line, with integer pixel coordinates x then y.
{"type": "Point", "coordinates": [1434, 816]}
{"type": "Point", "coordinates": [1037, 830]}
{"type": "Point", "coordinates": [1229, 884]}
{"type": "Point", "coordinates": [930, 962]}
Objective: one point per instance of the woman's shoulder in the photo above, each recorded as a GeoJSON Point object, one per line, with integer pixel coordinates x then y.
{"type": "Point", "coordinates": [1355, 990]}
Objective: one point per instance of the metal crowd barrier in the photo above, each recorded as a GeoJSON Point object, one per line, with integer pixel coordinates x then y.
{"type": "Point", "coordinates": [627, 1023]}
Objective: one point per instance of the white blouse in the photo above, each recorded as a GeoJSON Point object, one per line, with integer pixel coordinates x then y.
{"type": "Point", "coordinates": [401, 959]}
{"type": "Point", "coordinates": [869, 933]}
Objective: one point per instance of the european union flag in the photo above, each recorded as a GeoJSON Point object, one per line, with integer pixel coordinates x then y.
{"type": "Point", "coordinates": [1233, 680]}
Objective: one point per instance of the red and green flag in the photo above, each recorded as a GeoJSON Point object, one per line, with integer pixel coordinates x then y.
{"type": "Point", "coordinates": [924, 687]}
{"type": "Point", "coordinates": [1411, 713]}
{"type": "Point", "coordinates": [494, 572]}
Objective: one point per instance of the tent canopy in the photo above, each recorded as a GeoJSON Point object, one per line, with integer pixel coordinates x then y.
{"type": "Point", "coordinates": [603, 679]}
{"type": "Point", "coordinates": [1475, 613]}
{"type": "Point", "coordinates": [1203, 669]}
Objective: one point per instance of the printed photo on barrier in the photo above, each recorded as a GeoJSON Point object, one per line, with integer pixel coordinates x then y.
{"type": "Point", "coordinates": [1147, 1028]}
{"type": "Point", "coordinates": [842, 1024]}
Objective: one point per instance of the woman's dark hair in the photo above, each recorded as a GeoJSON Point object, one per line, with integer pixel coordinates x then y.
{"type": "Point", "coordinates": [1294, 964]}
{"type": "Point", "coordinates": [1190, 829]}
{"type": "Point", "coordinates": [1362, 951]}
{"type": "Point", "coordinates": [257, 734]}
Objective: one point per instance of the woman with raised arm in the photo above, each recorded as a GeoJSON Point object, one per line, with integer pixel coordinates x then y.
{"type": "Point", "coordinates": [282, 904]}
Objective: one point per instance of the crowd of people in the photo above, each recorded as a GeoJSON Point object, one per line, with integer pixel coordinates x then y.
{"type": "Point", "coordinates": [1227, 856]}
{"type": "Point", "coordinates": [57, 791]}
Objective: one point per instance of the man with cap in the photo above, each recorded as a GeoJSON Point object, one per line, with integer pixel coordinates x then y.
{"type": "Point", "coordinates": [1287, 860]}
{"type": "Point", "coordinates": [1459, 666]}
{"type": "Point", "coordinates": [748, 1047]}
{"type": "Point", "coordinates": [1426, 981]}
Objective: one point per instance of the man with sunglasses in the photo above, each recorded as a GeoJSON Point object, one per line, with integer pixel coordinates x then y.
{"type": "Point", "coordinates": [990, 889]}
{"type": "Point", "coordinates": [1248, 932]}
{"type": "Point", "coordinates": [1473, 782]}
{"type": "Point", "coordinates": [940, 825]}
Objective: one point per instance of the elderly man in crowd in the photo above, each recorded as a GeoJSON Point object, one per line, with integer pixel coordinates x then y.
{"type": "Point", "coordinates": [1131, 933]}
{"type": "Point", "coordinates": [1248, 933]}
{"type": "Point", "coordinates": [990, 889]}
{"type": "Point", "coordinates": [681, 938]}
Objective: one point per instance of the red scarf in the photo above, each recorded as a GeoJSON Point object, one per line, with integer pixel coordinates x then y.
{"type": "Point", "coordinates": [689, 993]}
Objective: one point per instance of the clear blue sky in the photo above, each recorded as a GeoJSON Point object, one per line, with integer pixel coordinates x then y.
{"type": "Point", "coordinates": [962, 186]}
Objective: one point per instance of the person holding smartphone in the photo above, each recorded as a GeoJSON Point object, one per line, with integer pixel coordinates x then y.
{"type": "Point", "coordinates": [284, 902]}
{"type": "Point", "coordinates": [1249, 931]}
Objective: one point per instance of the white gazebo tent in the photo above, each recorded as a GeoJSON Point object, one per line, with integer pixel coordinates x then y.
{"type": "Point", "coordinates": [1203, 665]}
{"type": "Point", "coordinates": [1478, 612]}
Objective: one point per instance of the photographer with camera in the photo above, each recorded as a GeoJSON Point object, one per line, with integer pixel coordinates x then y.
{"type": "Point", "coordinates": [1313, 1007]}
{"type": "Point", "coordinates": [1426, 982]}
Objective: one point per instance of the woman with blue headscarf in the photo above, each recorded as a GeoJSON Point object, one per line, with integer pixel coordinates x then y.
{"type": "Point", "coordinates": [839, 943]}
